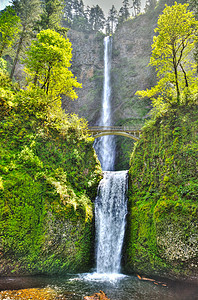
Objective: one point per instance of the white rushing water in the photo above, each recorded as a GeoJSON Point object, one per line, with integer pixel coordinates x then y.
{"type": "Point", "coordinates": [105, 146]}
{"type": "Point", "coordinates": [110, 212]}
{"type": "Point", "coordinates": [111, 202]}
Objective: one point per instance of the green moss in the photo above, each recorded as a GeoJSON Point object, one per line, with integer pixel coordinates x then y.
{"type": "Point", "coordinates": [48, 180]}
{"type": "Point", "coordinates": [163, 211]}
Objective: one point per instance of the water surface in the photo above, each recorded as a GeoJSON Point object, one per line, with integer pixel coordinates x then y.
{"type": "Point", "coordinates": [117, 288]}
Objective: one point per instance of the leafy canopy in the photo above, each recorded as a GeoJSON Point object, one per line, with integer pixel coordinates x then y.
{"type": "Point", "coordinates": [9, 28]}
{"type": "Point", "coordinates": [52, 13]}
{"type": "Point", "coordinates": [29, 13]}
{"type": "Point", "coordinates": [172, 57]}
{"type": "Point", "coordinates": [47, 63]}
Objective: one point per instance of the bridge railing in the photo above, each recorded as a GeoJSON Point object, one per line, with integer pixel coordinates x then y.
{"type": "Point", "coordinates": [114, 128]}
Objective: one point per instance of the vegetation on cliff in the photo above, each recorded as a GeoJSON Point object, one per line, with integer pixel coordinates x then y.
{"type": "Point", "coordinates": [162, 232]}
{"type": "Point", "coordinates": [48, 169]}
{"type": "Point", "coordinates": [172, 57]}
{"type": "Point", "coordinates": [48, 177]}
{"type": "Point", "coordinates": [163, 211]}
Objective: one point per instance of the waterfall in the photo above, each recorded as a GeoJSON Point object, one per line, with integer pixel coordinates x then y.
{"type": "Point", "coordinates": [105, 146]}
{"type": "Point", "coordinates": [110, 203]}
{"type": "Point", "coordinates": [110, 212]}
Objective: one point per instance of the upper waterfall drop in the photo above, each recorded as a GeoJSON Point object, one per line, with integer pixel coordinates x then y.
{"type": "Point", "coordinates": [105, 146]}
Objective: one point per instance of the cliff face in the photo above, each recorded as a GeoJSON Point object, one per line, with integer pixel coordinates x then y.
{"type": "Point", "coordinates": [162, 235]}
{"type": "Point", "coordinates": [129, 73]}
{"type": "Point", "coordinates": [87, 66]}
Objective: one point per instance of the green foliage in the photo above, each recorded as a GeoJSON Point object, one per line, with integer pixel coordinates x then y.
{"type": "Point", "coordinates": [47, 63]}
{"type": "Point", "coordinates": [172, 58]}
{"type": "Point", "coordinates": [51, 16]}
{"type": "Point", "coordinates": [29, 13]}
{"type": "Point", "coordinates": [77, 18]}
{"type": "Point", "coordinates": [9, 28]}
{"type": "Point", "coordinates": [163, 211]}
{"type": "Point", "coordinates": [21, 215]}
{"type": "Point", "coordinates": [6, 93]}
{"type": "Point", "coordinates": [96, 18]}
{"type": "Point", "coordinates": [3, 67]}
{"type": "Point", "coordinates": [150, 4]}
{"type": "Point", "coordinates": [48, 179]}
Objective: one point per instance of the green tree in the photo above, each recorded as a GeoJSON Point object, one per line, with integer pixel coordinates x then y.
{"type": "Point", "coordinates": [9, 28]}
{"type": "Point", "coordinates": [172, 56]}
{"type": "Point", "coordinates": [107, 27]}
{"type": "Point", "coordinates": [52, 16]}
{"type": "Point", "coordinates": [29, 12]}
{"type": "Point", "coordinates": [96, 18]}
{"type": "Point", "coordinates": [113, 18]}
{"type": "Point", "coordinates": [125, 11]}
{"type": "Point", "coordinates": [47, 63]}
{"type": "Point", "coordinates": [81, 8]}
{"type": "Point", "coordinates": [150, 4]}
{"type": "Point", "coordinates": [67, 12]}
{"type": "Point", "coordinates": [121, 17]}
{"type": "Point", "coordinates": [136, 5]}
{"type": "Point", "coordinates": [78, 7]}
{"type": "Point", "coordinates": [194, 5]}
{"type": "Point", "coordinates": [80, 19]}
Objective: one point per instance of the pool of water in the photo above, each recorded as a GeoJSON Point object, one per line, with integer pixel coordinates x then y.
{"type": "Point", "coordinates": [116, 287]}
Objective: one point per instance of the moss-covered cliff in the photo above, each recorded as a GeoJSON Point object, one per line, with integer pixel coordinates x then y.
{"type": "Point", "coordinates": [48, 179]}
{"type": "Point", "coordinates": [162, 230]}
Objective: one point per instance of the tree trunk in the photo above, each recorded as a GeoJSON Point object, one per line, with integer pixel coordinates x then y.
{"type": "Point", "coordinates": [185, 76]}
{"type": "Point", "coordinates": [45, 85]}
{"type": "Point", "coordinates": [17, 52]}
{"type": "Point", "coordinates": [176, 75]}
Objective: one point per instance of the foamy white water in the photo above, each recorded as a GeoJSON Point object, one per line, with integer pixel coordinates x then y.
{"type": "Point", "coordinates": [110, 219]}
{"type": "Point", "coordinates": [111, 202]}
{"type": "Point", "coordinates": [100, 277]}
{"type": "Point", "coordinates": [105, 146]}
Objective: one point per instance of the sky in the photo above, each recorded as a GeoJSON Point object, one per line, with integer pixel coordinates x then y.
{"type": "Point", "coordinates": [3, 3]}
{"type": "Point", "coordinates": [104, 4]}
{"type": "Point", "coordinates": [107, 4]}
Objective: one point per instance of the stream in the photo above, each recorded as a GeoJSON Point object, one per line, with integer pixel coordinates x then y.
{"type": "Point", "coordinates": [75, 287]}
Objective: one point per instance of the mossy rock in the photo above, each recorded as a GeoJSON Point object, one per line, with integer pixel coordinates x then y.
{"type": "Point", "coordinates": [162, 235]}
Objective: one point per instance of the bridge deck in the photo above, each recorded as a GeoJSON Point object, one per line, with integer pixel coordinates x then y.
{"type": "Point", "coordinates": [98, 131]}
{"type": "Point", "coordinates": [113, 128]}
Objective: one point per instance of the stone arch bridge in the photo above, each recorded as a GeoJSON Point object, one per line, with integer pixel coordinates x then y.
{"type": "Point", "coordinates": [98, 131]}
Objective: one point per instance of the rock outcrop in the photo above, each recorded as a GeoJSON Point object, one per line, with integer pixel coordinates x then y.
{"type": "Point", "coordinates": [87, 66]}
{"type": "Point", "coordinates": [97, 296]}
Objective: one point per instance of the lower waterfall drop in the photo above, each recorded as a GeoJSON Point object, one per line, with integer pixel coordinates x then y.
{"type": "Point", "coordinates": [110, 212]}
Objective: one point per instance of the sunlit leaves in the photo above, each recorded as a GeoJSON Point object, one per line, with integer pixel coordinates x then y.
{"type": "Point", "coordinates": [29, 13]}
{"type": "Point", "coordinates": [172, 56]}
{"type": "Point", "coordinates": [9, 28]}
{"type": "Point", "coordinates": [47, 63]}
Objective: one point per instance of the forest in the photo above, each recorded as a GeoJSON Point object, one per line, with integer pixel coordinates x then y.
{"type": "Point", "coordinates": [49, 170]}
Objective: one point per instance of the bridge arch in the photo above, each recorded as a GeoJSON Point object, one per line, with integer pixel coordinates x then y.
{"type": "Point", "coordinates": [125, 134]}
{"type": "Point", "coordinates": [98, 131]}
